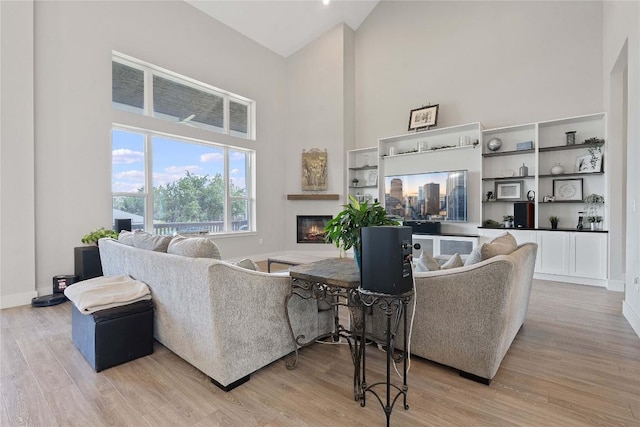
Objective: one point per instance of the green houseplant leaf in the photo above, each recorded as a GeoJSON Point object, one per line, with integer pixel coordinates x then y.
{"type": "Point", "coordinates": [93, 237]}
{"type": "Point", "coordinates": [344, 229]}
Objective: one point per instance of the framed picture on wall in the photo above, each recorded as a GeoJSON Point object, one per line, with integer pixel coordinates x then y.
{"type": "Point", "coordinates": [589, 163]}
{"type": "Point", "coordinates": [567, 189]}
{"type": "Point", "coordinates": [509, 190]}
{"type": "Point", "coordinates": [372, 178]}
{"type": "Point", "coordinates": [423, 117]}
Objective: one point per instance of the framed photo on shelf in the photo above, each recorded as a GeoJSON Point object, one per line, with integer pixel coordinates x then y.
{"type": "Point", "coordinates": [423, 117]}
{"type": "Point", "coordinates": [589, 163]}
{"type": "Point", "coordinates": [567, 189]}
{"type": "Point", "coordinates": [372, 178]}
{"type": "Point", "coordinates": [509, 190]}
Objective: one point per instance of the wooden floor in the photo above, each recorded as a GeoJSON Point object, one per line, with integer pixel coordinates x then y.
{"type": "Point", "coordinates": [576, 362]}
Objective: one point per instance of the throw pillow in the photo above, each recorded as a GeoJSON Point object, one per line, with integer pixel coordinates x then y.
{"type": "Point", "coordinates": [248, 264]}
{"type": "Point", "coordinates": [504, 244]}
{"type": "Point", "coordinates": [426, 263]}
{"type": "Point", "coordinates": [454, 262]}
{"type": "Point", "coordinates": [194, 247]}
{"type": "Point", "coordinates": [126, 237]}
{"type": "Point", "coordinates": [474, 257]}
{"type": "Point", "coordinates": [151, 242]}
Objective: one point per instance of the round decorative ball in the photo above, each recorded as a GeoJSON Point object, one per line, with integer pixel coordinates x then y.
{"type": "Point", "coordinates": [494, 144]}
{"type": "Point", "coordinates": [558, 169]}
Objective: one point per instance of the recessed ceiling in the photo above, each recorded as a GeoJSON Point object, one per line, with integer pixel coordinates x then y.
{"type": "Point", "coordinates": [286, 26]}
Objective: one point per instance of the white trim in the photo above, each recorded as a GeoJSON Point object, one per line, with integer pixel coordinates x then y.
{"type": "Point", "coordinates": [632, 317]}
{"type": "Point", "coordinates": [615, 285]}
{"type": "Point", "coordinates": [603, 283]}
{"type": "Point", "coordinates": [15, 300]}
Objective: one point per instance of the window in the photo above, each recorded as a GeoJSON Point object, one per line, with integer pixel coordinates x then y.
{"type": "Point", "coordinates": [197, 187]}
{"type": "Point", "coordinates": [174, 183]}
{"type": "Point", "coordinates": [144, 89]}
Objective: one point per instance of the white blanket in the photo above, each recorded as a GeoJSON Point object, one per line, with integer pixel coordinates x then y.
{"type": "Point", "coordinates": [104, 292]}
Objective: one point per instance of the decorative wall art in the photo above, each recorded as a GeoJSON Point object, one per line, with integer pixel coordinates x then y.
{"type": "Point", "coordinates": [567, 189]}
{"type": "Point", "coordinates": [589, 164]}
{"type": "Point", "coordinates": [372, 178]}
{"type": "Point", "coordinates": [423, 117]}
{"type": "Point", "coordinates": [314, 170]}
{"type": "Point", "coordinates": [509, 190]}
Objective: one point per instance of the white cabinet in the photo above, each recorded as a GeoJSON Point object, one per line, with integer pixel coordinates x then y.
{"type": "Point", "coordinates": [444, 244]}
{"type": "Point", "coordinates": [588, 255]}
{"type": "Point", "coordinates": [362, 174]}
{"type": "Point", "coordinates": [553, 252]}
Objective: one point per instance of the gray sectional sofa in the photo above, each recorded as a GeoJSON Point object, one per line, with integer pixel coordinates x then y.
{"type": "Point", "coordinates": [225, 320]}
{"type": "Point", "coordinates": [467, 317]}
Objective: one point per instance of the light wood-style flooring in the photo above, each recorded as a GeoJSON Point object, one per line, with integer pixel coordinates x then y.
{"type": "Point", "coordinates": [576, 362]}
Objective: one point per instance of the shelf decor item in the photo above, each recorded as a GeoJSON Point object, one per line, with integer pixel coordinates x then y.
{"type": "Point", "coordinates": [589, 164]}
{"type": "Point", "coordinates": [557, 169]}
{"type": "Point", "coordinates": [494, 144]}
{"type": "Point", "coordinates": [571, 137]}
{"type": "Point", "coordinates": [423, 117]}
{"type": "Point", "coordinates": [567, 189]}
{"type": "Point", "coordinates": [354, 182]}
{"type": "Point", "coordinates": [508, 221]}
{"type": "Point", "coordinates": [554, 222]}
{"type": "Point", "coordinates": [372, 178]}
{"type": "Point", "coordinates": [509, 190]}
{"type": "Point", "coordinates": [524, 171]}
{"type": "Point", "coordinates": [526, 145]}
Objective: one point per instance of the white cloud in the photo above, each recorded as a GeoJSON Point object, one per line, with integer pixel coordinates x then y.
{"type": "Point", "coordinates": [235, 171]}
{"type": "Point", "coordinates": [124, 156]}
{"type": "Point", "coordinates": [211, 157]}
{"type": "Point", "coordinates": [132, 174]}
{"type": "Point", "coordinates": [126, 187]}
{"type": "Point", "coordinates": [237, 155]}
{"type": "Point", "coordinates": [239, 182]}
{"type": "Point", "coordinates": [181, 169]}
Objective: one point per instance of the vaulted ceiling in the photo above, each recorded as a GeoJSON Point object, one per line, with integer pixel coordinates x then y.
{"type": "Point", "coordinates": [286, 26]}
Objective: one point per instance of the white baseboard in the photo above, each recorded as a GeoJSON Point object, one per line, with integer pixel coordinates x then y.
{"type": "Point", "coordinates": [603, 283]}
{"type": "Point", "coordinates": [15, 300]}
{"type": "Point", "coordinates": [632, 317]}
{"type": "Point", "coordinates": [616, 285]}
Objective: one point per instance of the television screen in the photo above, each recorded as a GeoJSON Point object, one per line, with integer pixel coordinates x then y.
{"type": "Point", "coordinates": [433, 196]}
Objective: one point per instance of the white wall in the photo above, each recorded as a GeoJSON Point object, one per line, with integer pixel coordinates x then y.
{"type": "Point", "coordinates": [622, 27]}
{"type": "Point", "coordinates": [17, 233]}
{"type": "Point", "coordinates": [319, 99]}
{"type": "Point", "coordinates": [73, 46]}
{"type": "Point", "coordinates": [500, 63]}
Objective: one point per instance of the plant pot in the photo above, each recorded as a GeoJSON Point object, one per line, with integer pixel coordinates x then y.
{"type": "Point", "coordinates": [554, 225]}
{"type": "Point", "coordinates": [593, 226]}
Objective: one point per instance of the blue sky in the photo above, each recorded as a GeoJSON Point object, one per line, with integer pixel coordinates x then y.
{"type": "Point", "coordinates": [171, 160]}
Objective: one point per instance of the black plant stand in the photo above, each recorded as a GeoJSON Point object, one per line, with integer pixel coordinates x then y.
{"type": "Point", "coordinates": [393, 306]}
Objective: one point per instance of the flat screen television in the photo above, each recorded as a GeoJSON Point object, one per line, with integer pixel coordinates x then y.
{"type": "Point", "coordinates": [432, 196]}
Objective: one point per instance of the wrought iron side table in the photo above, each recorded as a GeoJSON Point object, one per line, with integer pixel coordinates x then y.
{"type": "Point", "coordinates": [393, 306]}
{"type": "Point", "coordinates": [334, 281]}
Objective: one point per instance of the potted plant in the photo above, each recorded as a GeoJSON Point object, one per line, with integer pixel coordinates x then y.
{"type": "Point", "coordinates": [554, 221]}
{"type": "Point", "coordinates": [508, 221]}
{"type": "Point", "coordinates": [93, 237]}
{"type": "Point", "coordinates": [344, 229]}
{"type": "Point", "coordinates": [354, 182]}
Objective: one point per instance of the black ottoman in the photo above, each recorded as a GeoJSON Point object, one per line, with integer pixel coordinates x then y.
{"type": "Point", "coordinates": [117, 335]}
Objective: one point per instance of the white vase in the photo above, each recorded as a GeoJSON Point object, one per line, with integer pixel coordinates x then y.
{"type": "Point", "coordinates": [558, 169]}
{"type": "Point", "coordinates": [593, 226]}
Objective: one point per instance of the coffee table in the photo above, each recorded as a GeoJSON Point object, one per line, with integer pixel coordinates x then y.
{"type": "Point", "coordinates": [292, 260]}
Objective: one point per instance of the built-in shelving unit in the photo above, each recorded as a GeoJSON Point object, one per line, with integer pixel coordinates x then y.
{"type": "Point", "coordinates": [362, 165]}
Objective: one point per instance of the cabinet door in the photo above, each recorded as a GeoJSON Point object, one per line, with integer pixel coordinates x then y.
{"type": "Point", "coordinates": [553, 252]}
{"type": "Point", "coordinates": [427, 243]}
{"type": "Point", "coordinates": [589, 255]}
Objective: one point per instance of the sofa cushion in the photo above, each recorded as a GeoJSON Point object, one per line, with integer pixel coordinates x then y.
{"type": "Point", "coordinates": [194, 247]}
{"type": "Point", "coordinates": [248, 264]}
{"type": "Point", "coordinates": [151, 242]}
{"type": "Point", "coordinates": [126, 237]}
{"type": "Point", "coordinates": [454, 262]}
{"type": "Point", "coordinates": [474, 257]}
{"type": "Point", "coordinates": [426, 263]}
{"type": "Point", "coordinates": [504, 244]}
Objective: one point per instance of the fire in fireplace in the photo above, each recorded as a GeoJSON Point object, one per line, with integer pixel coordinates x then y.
{"type": "Point", "coordinates": [311, 228]}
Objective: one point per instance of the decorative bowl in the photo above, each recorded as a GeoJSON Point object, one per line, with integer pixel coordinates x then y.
{"type": "Point", "coordinates": [494, 144]}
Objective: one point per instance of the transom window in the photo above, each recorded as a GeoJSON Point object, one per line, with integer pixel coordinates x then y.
{"type": "Point", "coordinates": [141, 88]}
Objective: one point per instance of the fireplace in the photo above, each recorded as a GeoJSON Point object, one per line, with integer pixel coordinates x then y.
{"type": "Point", "coordinates": [310, 228]}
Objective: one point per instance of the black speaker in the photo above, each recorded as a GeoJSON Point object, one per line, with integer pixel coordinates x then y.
{"type": "Point", "coordinates": [524, 214]}
{"type": "Point", "coordinates": [386, 260]}
{"type": "Point", "coordinates": [87, 262]}
{"type": "Point", "coordinates": [122, 224]}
